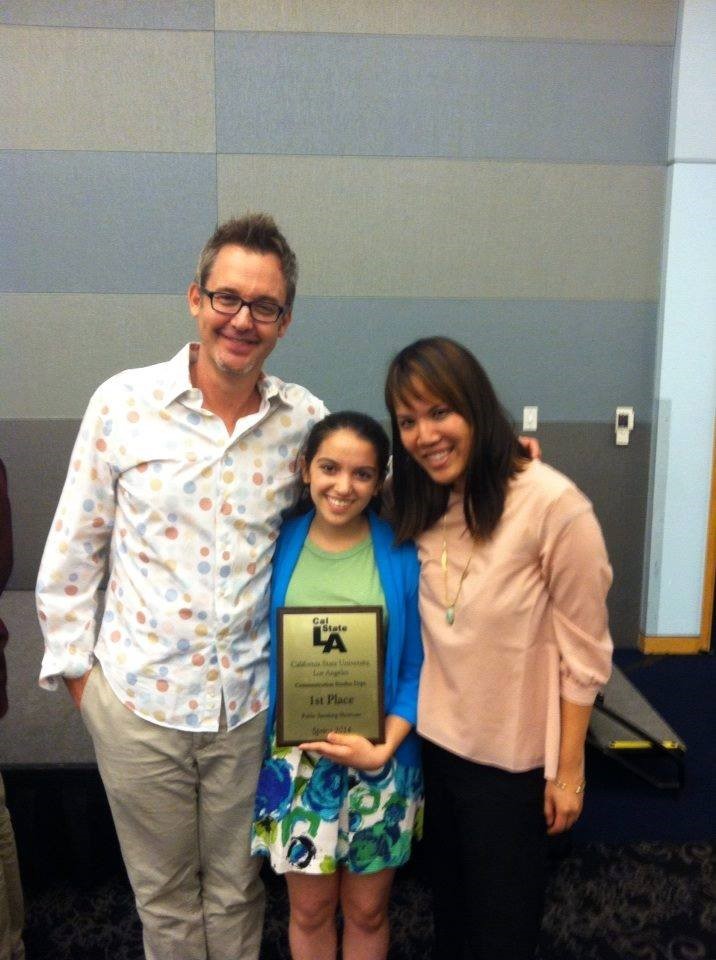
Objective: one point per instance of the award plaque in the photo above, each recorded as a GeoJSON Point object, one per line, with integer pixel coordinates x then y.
{"type": "Point", "coordinates": [330, 673]}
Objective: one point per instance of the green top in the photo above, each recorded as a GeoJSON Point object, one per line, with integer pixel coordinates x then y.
{"type": "Point", "coordinates": [343, 579]}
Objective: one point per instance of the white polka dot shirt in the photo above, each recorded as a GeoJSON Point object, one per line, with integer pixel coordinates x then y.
{"type": "Point", "coordinates": [182, 518]}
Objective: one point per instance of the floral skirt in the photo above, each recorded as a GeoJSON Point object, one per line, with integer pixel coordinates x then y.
{"type": "Point", "coordinates": [313, 815]}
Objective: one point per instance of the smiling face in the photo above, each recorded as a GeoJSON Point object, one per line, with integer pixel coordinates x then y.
{"type": "Point", "coordinates": [343, 477]}
{"type": "Point", "coordinates": [437, 437]}
{"type": "Point", "coordinates": [236, 347]}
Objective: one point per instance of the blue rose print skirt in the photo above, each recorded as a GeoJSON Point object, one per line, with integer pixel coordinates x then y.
{"type": "Point", "coordinates": [313, 815]}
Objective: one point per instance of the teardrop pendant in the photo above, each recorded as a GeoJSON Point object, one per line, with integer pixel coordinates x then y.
{"type": "Point", "coordinates": [450, 607]}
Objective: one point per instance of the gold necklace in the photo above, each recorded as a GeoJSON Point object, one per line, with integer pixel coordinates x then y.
{"type": "Point", "coordinates": [450, 606]}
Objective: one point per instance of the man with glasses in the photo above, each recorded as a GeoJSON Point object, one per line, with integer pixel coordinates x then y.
{"type": "Point", "coordinates": [177, 482]}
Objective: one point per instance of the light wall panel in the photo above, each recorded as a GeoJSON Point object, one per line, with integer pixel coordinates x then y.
{"type": "Point", "coordinates": [693, 117]}
{"type": "Point", "coordinates": [51, 332]}
{"type": "Point", "coordinates": [441, 97]}
{"type": "Point", "coordinates": [683, 461]}
{"type": "Point", "coordinates": [418, 228]}
{"type": "Point", "coordinates": [106, 90]}
{"type": "Point", "coordinates": [103, 222]}
{"type": "Point", "coordinates": [623, 21]}
{"type": "Point", "coordinates": [143, 14]}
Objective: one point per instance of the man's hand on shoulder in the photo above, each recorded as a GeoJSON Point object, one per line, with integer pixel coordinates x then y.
{"type": "Point", "coordinates": [76, 686]}
{"type": "Point", "coordinates": [532, 446]}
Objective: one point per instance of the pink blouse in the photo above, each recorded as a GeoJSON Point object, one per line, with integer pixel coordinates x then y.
{"type": "Point", "coordinates": [530, 624]}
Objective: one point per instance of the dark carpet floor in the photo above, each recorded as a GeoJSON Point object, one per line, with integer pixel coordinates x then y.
{"type": "Point", "coordinates": [642, 901]}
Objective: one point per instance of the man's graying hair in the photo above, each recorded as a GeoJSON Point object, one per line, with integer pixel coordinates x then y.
{"type": "Point", "coordinates": [257, 232]}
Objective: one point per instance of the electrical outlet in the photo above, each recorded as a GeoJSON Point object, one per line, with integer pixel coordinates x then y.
{"type": "Point", "coordinates": [529, 418]}
{"type": "Point", "coordinates": [623, 425]}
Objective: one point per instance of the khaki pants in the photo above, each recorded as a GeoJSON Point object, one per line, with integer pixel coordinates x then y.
{"type": "Point", "coordinates": [11, 907]}
{"type": "Point", "coordinates": [182, 805]}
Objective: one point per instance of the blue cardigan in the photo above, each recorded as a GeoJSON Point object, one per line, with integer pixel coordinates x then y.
{"type": "Point", "coordinates": [399, 571]}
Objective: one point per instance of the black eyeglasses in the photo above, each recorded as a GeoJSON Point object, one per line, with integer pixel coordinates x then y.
{"type": "Point", "coordinates": [229, 304]}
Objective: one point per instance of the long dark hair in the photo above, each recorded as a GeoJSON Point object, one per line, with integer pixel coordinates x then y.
{"type": "Point", "coordinates": [440, 367]}
{"type": "Point", "coordinates": [364, 427]}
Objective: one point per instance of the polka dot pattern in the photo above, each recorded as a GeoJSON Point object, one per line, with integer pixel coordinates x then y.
{"type": "Point", "coordinates": [188, 517]}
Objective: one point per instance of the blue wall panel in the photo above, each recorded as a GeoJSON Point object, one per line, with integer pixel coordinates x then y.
{"type": "Point", "coordinates": [577, 361]}
{"type": "Point", "coordinates": [145, 14]}
{"type": "Point", "coordinates": [441, 97]}
{"type": "Point", "coordinates": [103, 222]}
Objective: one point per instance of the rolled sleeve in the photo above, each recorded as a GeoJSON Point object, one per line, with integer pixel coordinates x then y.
{"type": "Point", "coordinates": [74, 560]}
{"type": "Point", "coordinates": [579, 576]}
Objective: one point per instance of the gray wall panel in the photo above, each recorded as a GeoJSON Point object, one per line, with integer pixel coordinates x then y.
{"type": "Point", "coordinates": [148, 14]}
{"type": "Point", "coordinates": [441, 97]}
{"type": "Point", "coordinates": [616, 481]}
{"type": "Point", "coordinates": [103, 222]}
{"type": "Point", "coordinates": [40, 727]}
{"type": "Point", "coordinates": [37, 453]}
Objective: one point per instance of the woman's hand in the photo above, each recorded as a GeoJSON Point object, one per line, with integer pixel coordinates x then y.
{"type": "Point", "coordinates": [562, 807]}
{"type": "Point", "coordinates": [351, 750]}
{"type": "Point", "coordinates": [564, 796]}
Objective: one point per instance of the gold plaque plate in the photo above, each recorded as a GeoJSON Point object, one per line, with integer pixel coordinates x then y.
{"type": "Point", "coordinates": [330, 673]}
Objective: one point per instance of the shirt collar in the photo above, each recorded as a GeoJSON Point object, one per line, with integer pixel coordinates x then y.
{"type": "Point", "coordinates": [270, 386]}
{"type": "Point", "coordinates": [177, 381]}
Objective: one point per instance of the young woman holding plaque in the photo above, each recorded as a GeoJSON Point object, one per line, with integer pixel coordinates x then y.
{"type": "Point", "coordinates": [514, 577]}
{"type": "Point", "coordinates": [337, 816]}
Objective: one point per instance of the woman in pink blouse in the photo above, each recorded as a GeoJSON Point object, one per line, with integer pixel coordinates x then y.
{"type": "Point", "coordinates": [514, 577]}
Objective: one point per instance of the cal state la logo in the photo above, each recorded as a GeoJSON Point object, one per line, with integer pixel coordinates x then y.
{"type": "Point", "coordinates": [333, 641]}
